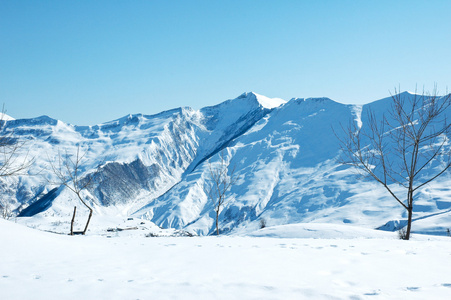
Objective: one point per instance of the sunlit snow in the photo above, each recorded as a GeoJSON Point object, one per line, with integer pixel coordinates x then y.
{"type": "Point", "coordinates": [40, 265]}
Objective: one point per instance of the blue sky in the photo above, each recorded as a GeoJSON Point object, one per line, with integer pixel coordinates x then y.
{"type": "Point", "coordinates": [88, 62]}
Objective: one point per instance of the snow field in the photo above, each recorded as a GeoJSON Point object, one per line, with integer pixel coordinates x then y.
{"type": "Point", "coordinates": [40, 265]}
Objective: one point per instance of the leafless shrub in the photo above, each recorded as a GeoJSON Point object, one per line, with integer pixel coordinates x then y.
{"type": "Point", "coordinates": [5, 211]}
{"type": "Point", "coordinates": [262, 223]}
{"type": "Point", "coordinates": [402, 234]}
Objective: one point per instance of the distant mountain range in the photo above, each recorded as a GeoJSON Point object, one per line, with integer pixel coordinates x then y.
{"type": "Point", "coordinates": [155, 166]}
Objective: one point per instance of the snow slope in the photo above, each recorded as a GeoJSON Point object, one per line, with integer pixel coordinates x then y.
{"type": "Point", "coordinates": [5, 117]}
{"type": "Point", "coordinates": [40, 265]}
{"type": "Point", "coordinates": [289, 174]}
{"type": "Point", "coordinates": [141, 156]}
{"type": "Point", "coordinates": [155, 167]}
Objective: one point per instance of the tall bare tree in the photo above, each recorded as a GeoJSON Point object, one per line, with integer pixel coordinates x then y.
{"type": "Point", "coordinates": [12, 161]}
{"type": "Point", "coordinates": [67, 169]}
{"type": "Point", "coordinates": [221, 179]}
{"type": "Point", "coordinates": [407, 147]}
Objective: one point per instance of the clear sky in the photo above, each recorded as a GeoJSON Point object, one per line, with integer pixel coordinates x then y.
{"type": "Point", "coordinates": [88, 62]}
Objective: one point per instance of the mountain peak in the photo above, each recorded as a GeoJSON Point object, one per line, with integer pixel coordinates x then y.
{"type": "Point", "coordinates": [5, 117]}
{"type": "Point", "coordinates": [263, 100]}
{"type": "Point", "coordinates": [313, 100]}
{"type": "Point", "coordinates": [408, 93]}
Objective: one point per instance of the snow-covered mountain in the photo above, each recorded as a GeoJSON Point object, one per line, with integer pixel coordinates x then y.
{"type": "Point", "coordinates": [155, 167]}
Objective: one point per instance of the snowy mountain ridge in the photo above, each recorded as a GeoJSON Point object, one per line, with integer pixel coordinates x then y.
{"type": "Point", "coordinates": [155, 166]}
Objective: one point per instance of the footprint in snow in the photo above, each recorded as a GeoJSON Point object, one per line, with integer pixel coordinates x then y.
{"type": "Point", "coordinates": [5, 276]}
{"type": "Point", "coordinates": [374, 293]}
{"type": "Point", "coordinates": [413, 288]}
{"type": "Point", "coordinates": [333, 246]}
{"type": "Point", "coordinates": [37, 277]}
{"type": "Point", "coordinates": [448, 285]}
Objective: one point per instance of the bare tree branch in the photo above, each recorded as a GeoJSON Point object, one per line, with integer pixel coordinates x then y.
{"type": "Point", "coordinates": [12, 163]}
{"type": "Point", "coordinates": [221, 179]}
{"type": "Point", "coordinates": [398, 148]}
{"type": "Point", "coordinates": [67, 169]}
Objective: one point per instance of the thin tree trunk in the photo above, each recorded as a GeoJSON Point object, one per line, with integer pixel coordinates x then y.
{"type": "Point", "coordinates": [87, 223]}
{"type": "Point", "coordinates": [217, 222]}
{"type": "Point", "coordinates": [72, 222]}
{"type": "Point", "coordinates": [409, 211]}
{"type": "Point", "coordinates": [409, 223]}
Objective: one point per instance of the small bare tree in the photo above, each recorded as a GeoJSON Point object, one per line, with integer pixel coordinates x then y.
{"type": "Point", "coordinates": [221, 179]}
{"type": "Point", "coordinates": [12, 162]}
{"type": "Point", "coordinates": [398, 148]}
{"type": "Point", "coordinates": [67, 169]}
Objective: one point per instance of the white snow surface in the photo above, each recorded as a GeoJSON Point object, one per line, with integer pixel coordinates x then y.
{"type": "Point", "coordinates": [41, 265]}
{"type": "Point", "coordinates": [5, 117]}
{"type": "Point", "coordinates": [269, 102]}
